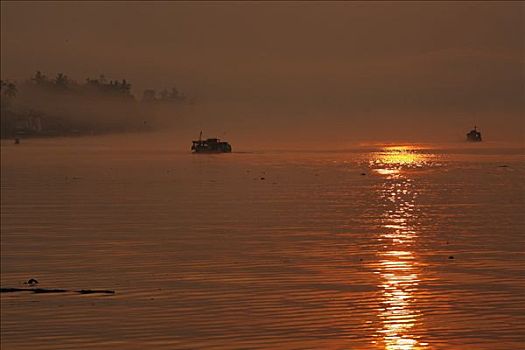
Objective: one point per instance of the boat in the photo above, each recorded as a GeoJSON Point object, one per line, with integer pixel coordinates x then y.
{"type": "Point", "coordinates": [213, 145]}
{"type": "Point", "coordinates": [474, 135]}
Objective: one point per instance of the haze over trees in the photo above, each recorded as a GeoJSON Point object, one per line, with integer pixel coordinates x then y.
{"type": "Point", "coordinates": [56, 106]}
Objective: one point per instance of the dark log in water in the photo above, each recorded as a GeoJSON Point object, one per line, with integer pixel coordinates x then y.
{"type": "Point", "coordinates": [89, 291]}
{"type": "Point", "coordinates": [34, 290]}
{"type": "Point", "coordinates": [46, 290]}
{"type": "Point", "coordinates": [10, 290]}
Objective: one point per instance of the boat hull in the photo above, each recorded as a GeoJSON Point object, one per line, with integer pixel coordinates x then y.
{"type": "Point", "coordinates": [210, 151]}
{"type": "Point", "coordinates": [223, 148]}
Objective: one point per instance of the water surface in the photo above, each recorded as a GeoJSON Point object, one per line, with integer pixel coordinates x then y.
{"type": "Point", "coordinates": [397, 247]}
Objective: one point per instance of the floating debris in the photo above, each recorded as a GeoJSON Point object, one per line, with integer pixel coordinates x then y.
{"type": "Point", "coordinates": [45, 290]}
{"type": "Point", "coordinates": [51, 290]}
{"type": "Point", "coordinates": [34, 290]}
{"type": "Point", "coordinates": [10, 290]}
{"type": "Point", "coordinates": [31, 281]}
{"type": "Point", "coordinates": [93, 291]}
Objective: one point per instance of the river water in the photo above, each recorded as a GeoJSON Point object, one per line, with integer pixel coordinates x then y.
{"type": "Point", "coordinates": [394, 247]}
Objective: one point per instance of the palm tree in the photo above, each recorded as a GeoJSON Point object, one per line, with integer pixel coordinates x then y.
{"type": "Point", "coordinates": [164, 95]}
{"type": "Point", "coordinates": [125, 87]}
{"type": "Point", "coordinates": [61, 80]}
{"type": "Point", "coordinates": [10, 90]}
{"type": "Point", "coordinates": [39, 78]}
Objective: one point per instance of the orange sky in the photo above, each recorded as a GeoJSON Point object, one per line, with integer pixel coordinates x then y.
{"type": "Point", "coordinates": [343, 70]}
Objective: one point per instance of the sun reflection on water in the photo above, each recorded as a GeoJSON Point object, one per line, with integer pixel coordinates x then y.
{"type": "Point", "coordinates": [398, 267]}
{"type": "Point", "coordinates": [393, 160]}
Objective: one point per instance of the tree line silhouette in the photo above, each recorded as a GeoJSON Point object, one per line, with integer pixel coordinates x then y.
{"type": "Point", "coordinates": [48, 106]}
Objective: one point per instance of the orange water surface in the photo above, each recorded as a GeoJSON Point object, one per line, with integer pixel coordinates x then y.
{"type": "Point", "coordinates": [397, 247]}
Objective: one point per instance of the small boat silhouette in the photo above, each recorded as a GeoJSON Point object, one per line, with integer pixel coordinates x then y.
{"type": "Point", "coordinates": [213, 145]}
{"type": "Point", "coordinates": [474, 135]}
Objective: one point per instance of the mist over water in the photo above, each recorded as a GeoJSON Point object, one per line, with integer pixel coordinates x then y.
{"type": "Point", "coordinates": [325, 72]}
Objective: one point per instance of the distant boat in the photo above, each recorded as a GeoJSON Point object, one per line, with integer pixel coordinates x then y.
{"type": "Point", "coordinates": [474, 135]}
{"type": "Point", "coordinates": [210, 146]}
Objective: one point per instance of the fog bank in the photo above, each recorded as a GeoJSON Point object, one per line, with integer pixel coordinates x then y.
{"type": "Point", "coordinates": [295, 71]}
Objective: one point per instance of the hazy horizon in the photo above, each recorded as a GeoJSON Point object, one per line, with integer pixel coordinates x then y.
{"type": "Point", "coordinates": [295, 72]}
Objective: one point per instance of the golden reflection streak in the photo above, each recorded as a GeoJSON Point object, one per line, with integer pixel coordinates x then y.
{"type": "Point", "coordinates": [398, 267]}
